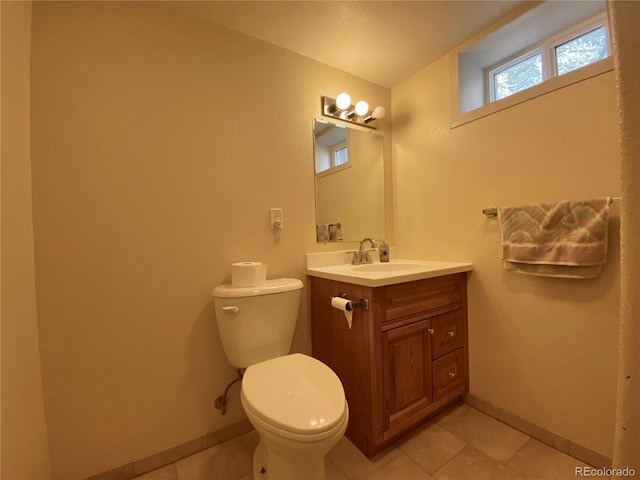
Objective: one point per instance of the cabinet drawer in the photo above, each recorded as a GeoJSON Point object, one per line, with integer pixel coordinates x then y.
{"type": "Point", "coordinates": [448, 333]}
{"type": "Point", "coordinates": [432, 294]}
{"type": "Point", "coordinates": [448, 374]}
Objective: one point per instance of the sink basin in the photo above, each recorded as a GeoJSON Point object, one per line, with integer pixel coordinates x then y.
{"type": "Point", "coordinates": [385, 267]}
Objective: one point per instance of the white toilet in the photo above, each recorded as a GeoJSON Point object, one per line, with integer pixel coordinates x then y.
{"type": "Point", "coordinates": [295, 402]}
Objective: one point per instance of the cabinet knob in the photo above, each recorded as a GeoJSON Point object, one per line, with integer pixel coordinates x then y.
{"type": "Point", "coordinates": [430, 330]}
{"type": "Point", "coordinates": [451, 334]}
{"type": "Point", "coordinates": [452, 374]}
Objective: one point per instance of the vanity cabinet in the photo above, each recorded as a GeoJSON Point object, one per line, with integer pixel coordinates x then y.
{"type": "Point", "coordinates": [405, 357]}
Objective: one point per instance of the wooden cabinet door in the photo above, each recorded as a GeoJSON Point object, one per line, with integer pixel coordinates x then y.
{"type": "Point", "coordinates": [407, 372]}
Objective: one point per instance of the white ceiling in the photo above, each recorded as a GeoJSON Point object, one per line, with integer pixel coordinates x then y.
{"type": "Point", "coordinates": [384, 42]}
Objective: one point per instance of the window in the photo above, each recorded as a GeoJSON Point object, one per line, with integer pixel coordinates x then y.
{"type": "Point", "coordinates": [334, 158]}
{"type": "Point", "coordinates": [534, 50]}
{"type": "Point", "coordinates": [582, 50]}
{"type": "Point", "coordinates": [330, 148]}
{"type": "Point", "coordinates": [340, 156]}
{"type": "Point", "coordinates": [564, 52]}
{"type": "Point", "coordinates": [516, 76]}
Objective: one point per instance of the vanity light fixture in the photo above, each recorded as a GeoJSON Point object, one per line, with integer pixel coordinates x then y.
{"type": "Point", "coordinates": [342, 109]}
{"type": "Point", "coordinates": [378, 112]}
{"type": "Point", "coordinates": [362, 107]}
{"type": "Point", "coordinates": [343, 101]}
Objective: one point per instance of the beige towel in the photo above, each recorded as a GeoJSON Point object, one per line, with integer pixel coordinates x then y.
{"type": "Point", "coordinates": [563, 239]}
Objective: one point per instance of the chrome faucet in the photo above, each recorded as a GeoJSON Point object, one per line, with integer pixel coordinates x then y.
{"type": "Point", "coordinates": [362, 255]}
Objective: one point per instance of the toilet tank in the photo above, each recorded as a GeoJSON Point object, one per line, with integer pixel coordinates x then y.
{"type": "Point", "coordinates": [257, 323]}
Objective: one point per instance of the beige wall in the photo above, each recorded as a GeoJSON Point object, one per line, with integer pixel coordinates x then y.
{"type": "Point", "coordinates": [624, 17]}
{"type": "Point", "coordinates": [24, 434]}
{"type": "Point", "coordinates": [150, 177]}
{"type": "Point", "coordinates": [543, 349]}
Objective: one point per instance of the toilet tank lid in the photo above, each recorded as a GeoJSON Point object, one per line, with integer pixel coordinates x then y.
{"type": "Point", "coordinates": [275, 285]}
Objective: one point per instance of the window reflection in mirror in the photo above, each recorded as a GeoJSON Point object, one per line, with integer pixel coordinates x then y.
{"type": "Point", "coordinates": [349, 181]}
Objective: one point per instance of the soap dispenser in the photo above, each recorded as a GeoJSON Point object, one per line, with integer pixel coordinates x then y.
{"type": "Point", "coordinates": [383, 249]}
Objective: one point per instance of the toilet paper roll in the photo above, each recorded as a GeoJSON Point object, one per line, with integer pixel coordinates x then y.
{"type": "Point", "coordinates": [248, 274]}
{"type": "Point", "coordinates": [344, 305]}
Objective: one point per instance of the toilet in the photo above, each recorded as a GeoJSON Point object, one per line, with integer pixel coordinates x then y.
{"type": "Point", "coordinates": [295, 402]}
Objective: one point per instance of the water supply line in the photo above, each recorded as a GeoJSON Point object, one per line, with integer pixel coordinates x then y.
{"type": "Point", "coordinates": [221, 401]}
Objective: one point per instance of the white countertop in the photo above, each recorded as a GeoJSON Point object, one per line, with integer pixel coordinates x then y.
{"type": "Point", "coordinates": [380, 274]}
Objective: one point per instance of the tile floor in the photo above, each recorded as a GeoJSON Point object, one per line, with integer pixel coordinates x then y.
{"type": "Point", "coordinates": [461, 443]}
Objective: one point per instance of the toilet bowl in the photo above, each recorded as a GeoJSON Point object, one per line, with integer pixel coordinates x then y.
{"type": "Point", "coordinates": [298, 407]}
{"type": "Point", "coordinates": [295, 402]}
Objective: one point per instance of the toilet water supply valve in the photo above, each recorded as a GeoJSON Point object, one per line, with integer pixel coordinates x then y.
{"type": "Point", "coordinates": [221, 401]}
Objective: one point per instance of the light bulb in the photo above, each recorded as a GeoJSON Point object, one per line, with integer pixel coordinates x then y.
{"type": "Point", "coordinates": [362, 107]}
{"type": "Point", "coordinates": [343, 101]}
{"type": "Point", "coordinates": [378, 112]}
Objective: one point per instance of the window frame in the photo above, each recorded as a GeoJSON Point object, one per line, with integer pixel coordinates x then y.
{"type": "Point", "coordinates": [547, 49]}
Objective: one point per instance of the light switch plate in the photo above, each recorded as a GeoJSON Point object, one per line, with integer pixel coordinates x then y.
{"type": "Point", "coordinates": [276, 218]}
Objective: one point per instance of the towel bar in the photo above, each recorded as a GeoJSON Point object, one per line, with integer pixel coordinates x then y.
{"type": "Point", "coordinates": [491, 212]}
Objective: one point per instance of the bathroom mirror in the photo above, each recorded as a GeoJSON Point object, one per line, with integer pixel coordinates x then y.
{"type": "Point", "coordinates": [349, 182]}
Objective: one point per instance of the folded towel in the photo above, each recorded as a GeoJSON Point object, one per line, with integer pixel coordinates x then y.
{"type": "Point", "coordinates": [562, 239]}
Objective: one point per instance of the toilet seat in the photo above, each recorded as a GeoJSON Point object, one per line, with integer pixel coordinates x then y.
{"type": "Point", "coordinates": [295, 395]}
